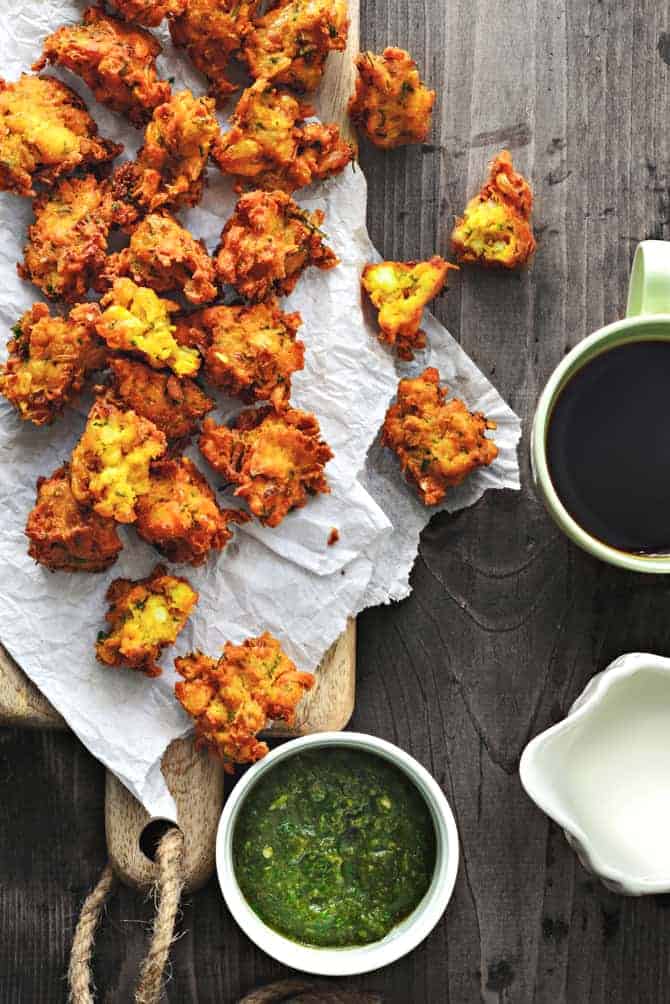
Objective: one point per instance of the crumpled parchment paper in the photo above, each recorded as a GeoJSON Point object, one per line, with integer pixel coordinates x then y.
{"type": "Point", "coordinates": [287, 580]}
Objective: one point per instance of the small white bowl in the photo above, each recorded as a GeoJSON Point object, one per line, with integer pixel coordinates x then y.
{"type": "Point", "coordinates": [603, 774]}
{"type": "Point", "coordinates": [402, 938]}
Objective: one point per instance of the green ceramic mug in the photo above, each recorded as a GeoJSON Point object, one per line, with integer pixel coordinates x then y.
{"type": "Point", "coordinates": [647, 318]}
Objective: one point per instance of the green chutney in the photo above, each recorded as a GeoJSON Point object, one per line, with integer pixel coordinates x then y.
{"type": "Point", "coordinates": [334, 847]}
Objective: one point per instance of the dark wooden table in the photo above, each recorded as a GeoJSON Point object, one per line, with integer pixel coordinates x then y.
{"type": "Point", "coordinates": [507, 622]}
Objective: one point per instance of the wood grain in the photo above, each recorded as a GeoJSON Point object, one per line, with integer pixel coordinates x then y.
{"type": "Point", "coordinates": [507, 622]}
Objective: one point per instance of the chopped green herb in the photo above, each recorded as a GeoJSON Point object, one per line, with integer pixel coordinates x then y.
{"type": "Point", "coordinates": [334, 848]}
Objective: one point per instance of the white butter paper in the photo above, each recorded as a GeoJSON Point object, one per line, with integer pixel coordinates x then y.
{"type": "Point", "coordinates": [396, 553]}
{"type": "Point", "coordinates": [287, 580]}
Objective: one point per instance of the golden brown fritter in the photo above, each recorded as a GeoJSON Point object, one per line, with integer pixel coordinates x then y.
{"type": "Point", "coordinates": [211, 31]}
{"type": "Point", "coordinates": [262, 133]}
{"type": "Point", "coordinates": [164, 256]}
{"type": "Point", "coordinates": [322, 153]}
{"type": "Point", "coordinates": [175, 405]}
{"type": "Point", "coordinates": [400, 290]}
{"type": "Point", "coordinates": [231, 700]}
{"type": "Point", "coordinates": [276, 459]}
{"type": "Point", "coordinates": [169, 169]}
{"type": "Point", "coordinates": [270, 145]}
{"type": "Point", "coordinates": [144, 617]}
{"type": "Point", "coordinates": [67, 243]}
{"type": "Point", "coordinates": [136, 320]}
{"type": "Point", "coordinates": [391, 105]}
{"type": "Point", "coordinates": [109, 468]}
{"type": "Point", "coordinates": [117, 61]}
{"type": "Point", "coordinates": [249, 351]}
{"type": "Point", "coordinates": [289, 45]}
{"type": "Point", "coordinates": [439, 442]}
{"type": "Point", "coordinates": [49, 359]}
{"type": "Point", "coordinates": [267, 244]}
{"type": "Point", "coordinates": [495, 229]}
{"type": "Point", "coordinates": [65, 535]}
{"type": "Point", "coordinates": [149, 13]}
{"type": "Point", "coordinates": [45, 132]}
{"type": "Point", "coordinates": [180, 516]}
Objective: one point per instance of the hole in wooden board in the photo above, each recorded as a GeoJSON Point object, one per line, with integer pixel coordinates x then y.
{"type": "Point", "coordinates": [152, 834]}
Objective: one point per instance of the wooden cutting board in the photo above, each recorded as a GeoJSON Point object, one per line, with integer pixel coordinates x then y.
{"type": "Point", "coordinates": [194, 779]}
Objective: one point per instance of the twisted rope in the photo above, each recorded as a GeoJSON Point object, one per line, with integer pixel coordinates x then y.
{"type": "Point", "coordinates": [79, 970]}
{"type": "Point", "coordinates": [169, 885]}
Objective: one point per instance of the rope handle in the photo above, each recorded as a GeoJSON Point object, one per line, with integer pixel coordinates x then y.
{"type": "Point", "coordinates": [168, 889]}
{"type": "Point", "coordinates": [79, 969]}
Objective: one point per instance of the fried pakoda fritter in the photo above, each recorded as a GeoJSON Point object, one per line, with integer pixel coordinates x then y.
{"type": "Point", "coordinates": [49, 359]}
{"type": "Point", "coordinates": [270, 145]}
{"type": "Point", "coordinates": [211, 31]}
{"type": "Point", "coordinates": [180, 516]}
{"type": "Point", "coordinates": [276, 459]}
{"type": "Point", "coordinates": [45, 132]}
{"type": "Point", "coordinates": [400, 290]}
{"type": "Point", "coordinates": [136, 320]}
{"type": "Point", "coordinates": [65, 535]}
{"type": "Point", "coordinates": [117, 61]}
{"type": "Point", "coordinates": [169, 169]}
{"type": "Point", "coordinates": [268, 243]}
{"type": "Point", "coordinates": [231, 700]}
{"type": "Point", "coordinates": [495, 229]}
{"type": "Point", "coordinates": [289, 45]}
{"type": "Point", "coordinates": [109, 468]}
{"type": "Point", "coordinates": [391, 105]}
{"type": "Point", "coordinates": [164, 256]}
{"type": "Point", "coordinates": [175, 405]}
{"type": "Point", "coordinates": [261, 136]}
{"type": "Point", "coordinates": [149, 13]}
{"type": "Point", "coordinates": [67, 243]}
{"type": "Point", "coordinates": [322, 153]}
{"type": "Point", "coordinates": [248, 351]}
{"type": "Point", "coordinates": [439, 442]}
{"type": "Point", "coordinates": [144, 617]}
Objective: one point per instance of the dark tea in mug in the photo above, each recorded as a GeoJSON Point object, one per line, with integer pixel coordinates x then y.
{"type": "Point", "coordinates": [608, 447]}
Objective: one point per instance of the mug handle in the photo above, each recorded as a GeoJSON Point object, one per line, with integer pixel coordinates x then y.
{"type": "Point", "coordinates": [649, 289]}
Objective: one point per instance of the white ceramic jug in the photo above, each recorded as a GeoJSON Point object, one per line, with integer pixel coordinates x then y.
{"type": "Point", "coordinates": [603, 774]}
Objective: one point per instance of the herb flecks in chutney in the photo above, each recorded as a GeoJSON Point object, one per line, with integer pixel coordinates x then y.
{"type": "Point", "coordinates": [334, 847]}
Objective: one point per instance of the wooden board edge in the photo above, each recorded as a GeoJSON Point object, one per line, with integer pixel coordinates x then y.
{"type": "Point", "coordinates": [339, 79]}
{"type": "Point", "coordinates": [330, 704]}
{"type": "Point", "coordinates": [196, 782]}
{"type": "Point", "coordinates": [22, 705]}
